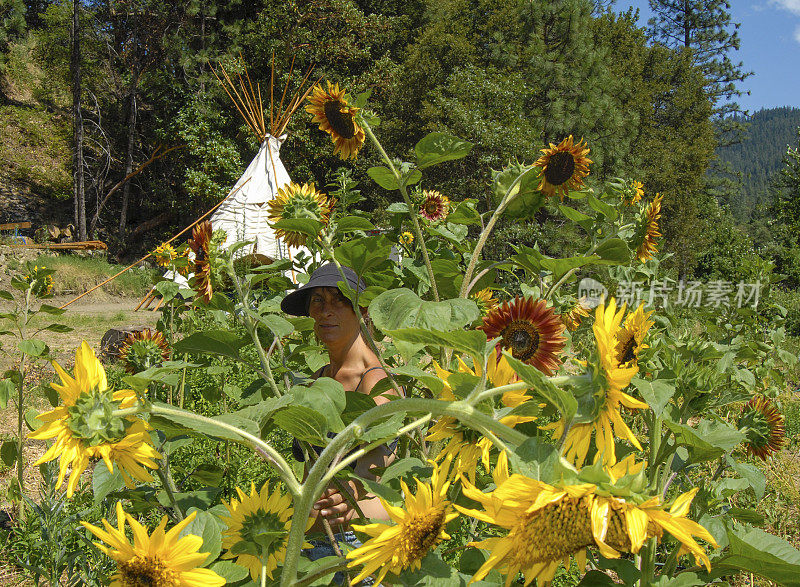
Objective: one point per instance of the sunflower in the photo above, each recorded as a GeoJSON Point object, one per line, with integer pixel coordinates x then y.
{"type": "Point", "coordinates": [184, 264]}
{"type": "Point", "coordinates": [620, 525]}
{"type": "Point", "coordinates": [485, 300]}
{"type": "Point", "coordinates": [85, 429]}
{"type": "Point", "coordinates": [563, 167]}
{"type": "Point", "coordinates": [162, 558]}
{"type": "Point", "coordinates": [435, 206]}
{"type": "Point", "coordinates": [337, 118]}
{"type": "Point", "coordinates": [294, 201]}
{"type": "Point", "coordinates": [648, 231]}
{"type": "Point", "coordinates": [417, 528]}
{"type": "Point", "coordinates": [406, 238]}
{"type": "Point", "coordinates": [572, 319]}
{"type": "Point", "coordinates": [466, 446]}
{"type": "Point", "coordinates": [41, 281]}
{"type": "Point", "coordinates": [531, 330]}
{"type": "Point", "coordinates": [635, 191]}
{"type": "Point", "coordinates": [251, 519]}
{"type": "Point", "coordinates": [630, 338]}
{"type": "Point", "coordinates": [608, 379]}
{"type": "Point", "coordinates": [763, 425]}
{"type": "Point", "coordinates": [143, 349]}
{"type": "Point", "coordinates": [200, 244]}
{"type": "Point", "coordinates": [548, 524]}
{"type": "Point", "coordinates": [164, 254]}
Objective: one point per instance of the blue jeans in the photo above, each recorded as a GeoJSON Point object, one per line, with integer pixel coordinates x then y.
{"type": "Point", "coordinates": [322, 548]}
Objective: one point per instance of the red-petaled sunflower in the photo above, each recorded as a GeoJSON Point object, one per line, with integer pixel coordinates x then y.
{"type": "Point", "coordinates": [572, 319]}
{"type": "Point", "coordinates": [530, 330]}
{"type": "Point", "coordinates": [144, 349]}
{"type": "Point", "coordinates": [763, 425]}
{"type": "Point", "coordinates": [337, 118]}
{"type": "Point", "coordinates": [648, 231]}
{"type": "Point", "coordinates": [435, 206]}
{"type": "Point", "coordinates": [563, 167]}
{"type": "Point", "coordinates": [200, 243]}
{"type": "Point", "coordinates": [294, 201]}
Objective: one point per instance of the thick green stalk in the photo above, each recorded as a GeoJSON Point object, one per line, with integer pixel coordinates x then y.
{"type": "Point", "coordinates": [285, 471]}
{"type": "Point", "coordinates": [407, 200]}
{"type": "Point", "coordinates": [313, 485]}
{"type": "Point", "coordinates": [507, 199]}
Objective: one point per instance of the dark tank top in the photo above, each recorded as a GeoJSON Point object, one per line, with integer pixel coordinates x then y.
{"type": "Point", "coordinates": [297, 451]}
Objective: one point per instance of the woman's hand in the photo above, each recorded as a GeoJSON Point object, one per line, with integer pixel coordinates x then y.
{"type": "Point", "coordinates": [335, 507]}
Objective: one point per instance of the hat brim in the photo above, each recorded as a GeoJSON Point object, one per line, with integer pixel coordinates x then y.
{"type": "Point", "coordinates": [296, 303]}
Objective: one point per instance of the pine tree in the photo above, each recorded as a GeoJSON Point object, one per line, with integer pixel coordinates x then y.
{"type": "Point", "coordinates": [704, 28]}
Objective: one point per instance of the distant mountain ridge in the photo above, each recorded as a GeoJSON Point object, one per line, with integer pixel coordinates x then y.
{"type": "Point", "coordinates": [760, 155]}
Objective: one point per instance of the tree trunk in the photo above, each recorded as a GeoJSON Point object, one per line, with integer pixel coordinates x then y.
{"type": "Point", "coordinates": [79, 195]}
{"type": "Point", "coordinates": [126, 189]}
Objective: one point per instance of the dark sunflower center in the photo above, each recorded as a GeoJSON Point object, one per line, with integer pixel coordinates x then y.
{"type": "Point", "coordinates": [341, 123]}
{"type": "Point", "coordinates": [422, 532]}
{"type": "Point", "coordinates": [559, 168]}
{"type": "Point", "coordinates": [626, 348]}
{"type": "Point", "coordinates": [522, 338]}
{"type": "Point", "coordinates": [432, 208]}
{"type": "Point", "coordinates": [145, 572]}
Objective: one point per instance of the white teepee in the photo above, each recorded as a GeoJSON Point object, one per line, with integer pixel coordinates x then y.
{"type": "Point", "coordinates": [244, 213]}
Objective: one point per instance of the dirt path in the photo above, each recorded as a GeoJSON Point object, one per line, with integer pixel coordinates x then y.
{"type": "Point", "coordinates": [89, 320]}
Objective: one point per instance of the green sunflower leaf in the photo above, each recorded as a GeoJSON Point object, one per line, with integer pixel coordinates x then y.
{"type": "Point", "coordinates": [563, 400]}
{"type": "Point", "coordinates": [384, 177]}
{"type": "Point", "coordinates": [762, 554]}
{"type": "Point", "coordinates": [210, 529]}
{"type": "Point", "coordinates": [306, 226]}
{"type": "Point", "coordinates": [353, 223]}
{"type": "Point", "coordinates": [439, 147]}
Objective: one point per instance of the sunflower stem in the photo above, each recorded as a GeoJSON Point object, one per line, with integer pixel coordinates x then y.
{"type": "Point", "coordinates": [252, 330]}
{"type": "Point", "coordinates": [314, 483]}
{"type": "Point", "coordinates": [354, 456]}
{"type": "Point", "coordinates": [169, 486]}
{"type": "Point", "coordinates": [407, 200]}
{"type": "Point", "coordinates": [648, 563]}
{"type": "Point", "coordinates": [263, 575]}
{"type": "Point", "coordinates": [568, 274]}
{"type": "Point", "coordinates": [269, 453]}
{"type": "Point", "coordinates": [20, 396]}
{"type": "Point", "coordinates": [507, 199]}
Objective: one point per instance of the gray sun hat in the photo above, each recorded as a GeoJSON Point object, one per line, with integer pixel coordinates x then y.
{"type": "Point", "coordinates": [296, 303]}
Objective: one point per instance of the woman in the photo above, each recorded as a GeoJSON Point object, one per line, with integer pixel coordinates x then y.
{"type": "Point", "coordinates": [357, 368]}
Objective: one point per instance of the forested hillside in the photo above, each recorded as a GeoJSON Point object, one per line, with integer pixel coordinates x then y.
{"type": "Point", "coordinates": [509, 77]}
{"type": "Point", "coordinates": [756, 160]}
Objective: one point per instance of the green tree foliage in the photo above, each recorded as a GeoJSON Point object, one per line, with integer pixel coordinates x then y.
{"type": "Point", "coordinates": [704, 28]}
{"type": "Point", "coordinates": [757, 159]}
{"type": "Point", "coordinates": [12, 21]}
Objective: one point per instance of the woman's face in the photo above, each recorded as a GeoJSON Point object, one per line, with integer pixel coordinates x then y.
{"type": "Point", "coordinates": [334, 318]}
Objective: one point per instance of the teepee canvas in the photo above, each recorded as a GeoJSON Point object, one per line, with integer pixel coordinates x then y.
{"type": "Point", "coordinates": [243, 215]}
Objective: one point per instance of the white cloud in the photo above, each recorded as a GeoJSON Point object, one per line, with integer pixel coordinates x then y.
{"type": "Point", "coordinates": [797, 34]}
{"type": "Point", "coordinates": [792, 6]}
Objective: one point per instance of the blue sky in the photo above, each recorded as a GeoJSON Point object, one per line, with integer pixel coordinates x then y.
{"type": "Point", "coordinates": [770, 47]}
